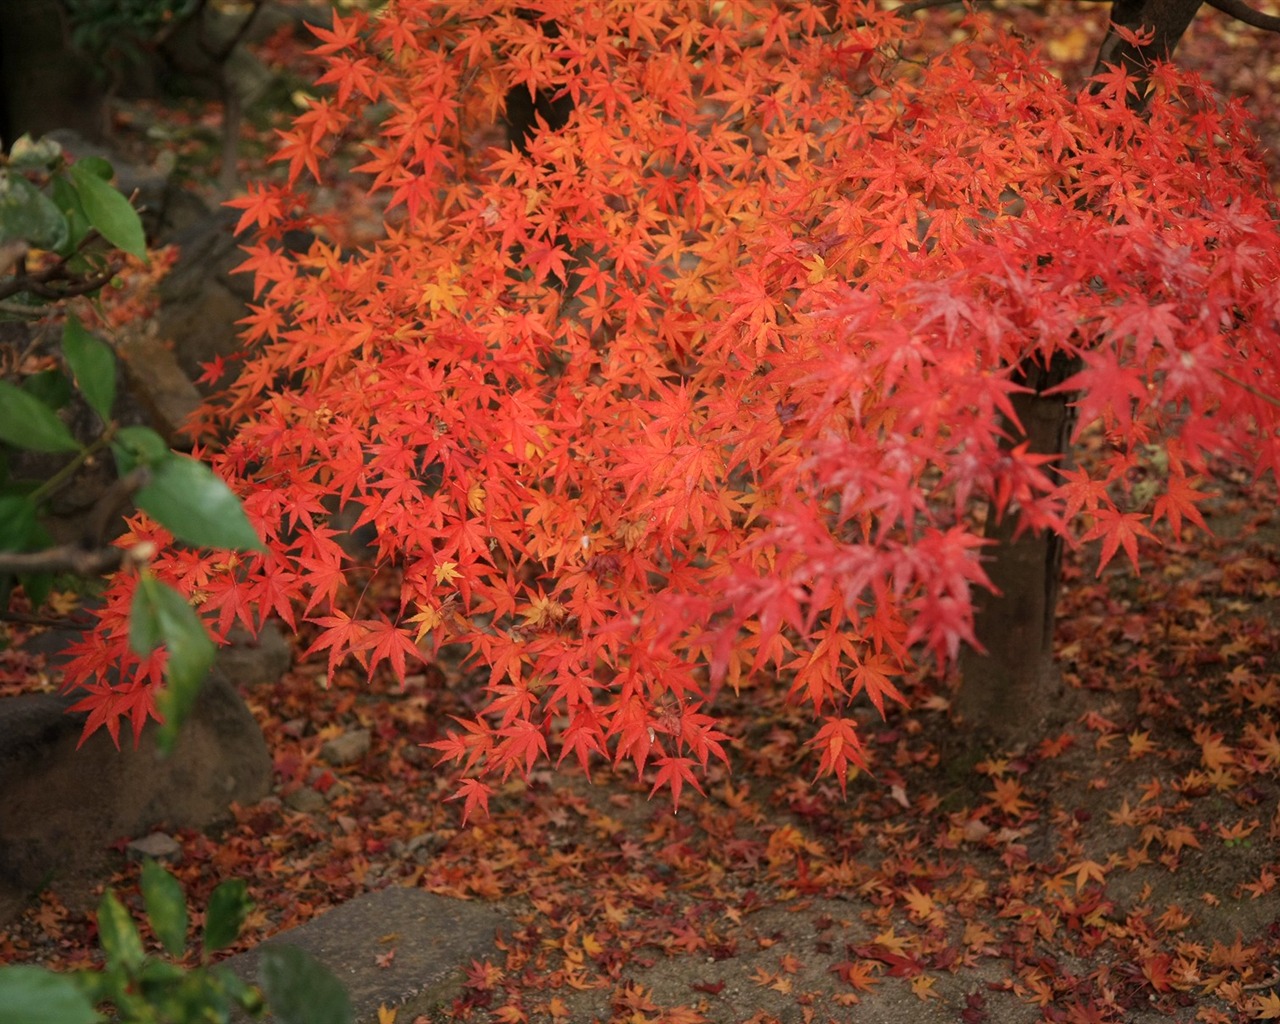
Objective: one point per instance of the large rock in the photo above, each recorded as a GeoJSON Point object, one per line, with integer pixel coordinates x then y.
{"type": "Point", "coordinates": [158, 382]}
{"type": "Point", "coordinates": [251, 660]}
{"type": "Point", "coordinates": [60, 807]}
{"type": "Point", "coordinates": [202, 296]}
{"type": "Point", "coordinates": [400, 948]}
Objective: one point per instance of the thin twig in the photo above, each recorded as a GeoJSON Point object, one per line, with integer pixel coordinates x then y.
{"type": "Point", "coordinates": [1248, 387]}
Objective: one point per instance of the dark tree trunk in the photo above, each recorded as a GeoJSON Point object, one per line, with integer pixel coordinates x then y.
{"type": "Point", "coordinates": [43, 84]}
{"type": "Point", "coordinates": [1008, 691]}
{"type": "Point", "coordinates": [1168, 19]}
{"type": "Point", "coordinates": [1013, 684]}
{"type": "Point", "coordinates": [523, 111]}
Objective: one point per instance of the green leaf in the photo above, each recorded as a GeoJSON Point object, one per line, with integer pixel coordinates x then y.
{"type": "Point", "coordinates": [300, 990]}
{"type": "Point", "coordinates": [119, 935]}
{"type": "Point", "coordinates": [191, 502]}
{"type": "Point", "coordinates": [134, 445]}
{"type": "Point", "coordinates": [27, 214]}
{"type": "Point", "coordinates": [244, 995]}
{"type": "Point", "coordinates": [93, 365]}
{"type": "Point", "coordinates": [20, 528]}
{"type": "Point", "coordinates": [33, 995]}
{"type": "Point", "coordinates": [197, 996]}
{"type": "Point", "coordinates": [50, 387]}
{"type": "Point", "coordinates": [37, 586]}
{"type": "Point", "coordinates": [159, 978]}
{"type": "Point", "coordinates": [166, 908]}
{"type": "Point", "coordinates": [98, 166]}
{"type": "Point", "coordinates": [108, 211]}
{"type": "Point", "coordinates": [160, 615]}
{"type": "Point", "coordinates": [229, 905]}
{"type": "Point", "coordinates": [29, 423]}
{"type": "Point", "coordinates": [68, 201]}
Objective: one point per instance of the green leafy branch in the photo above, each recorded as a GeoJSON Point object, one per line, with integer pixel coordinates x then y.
{"type": "Point", "coordinates": [47, 205]}
{"type": "Point", "coordinates": [145, 989]}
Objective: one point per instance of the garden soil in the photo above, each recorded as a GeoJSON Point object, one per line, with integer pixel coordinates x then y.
{"type": "Point", "coordinates": [1119, 866]}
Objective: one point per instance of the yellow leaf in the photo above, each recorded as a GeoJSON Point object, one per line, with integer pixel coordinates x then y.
{"type": "Point", "coordinates": [446, 572]}
{"type": "Point", "coordinates": [1068, 46]}
{"type": "Point", "coordinates": [1085, 870]}
{"type": "Point", "coordinates": [444, 292]}
{"type": "Point", "coordinates": [385, 1015]}
{"type": "Point", "coordinates": [475, 498]}
{"type": "Point", "coordinates": [1266, 1007]}
{"type": "Point", "coordinates": [427, 619]}
{"type": "Point", "coordinates": [1213, 751]}
{"type": "Point", "coordinates": [920, 905]}
{"type": "Point", "coordinates": [437, 296]}
{"type": "Point", "coordinates": [922, 986]}
{"type": "Point", "coordinates": [1140, 744]}
{"type": "Point", "coordinates": [892, 942]}
{"type": "Point", "coordinates": [1007, 795]}
{"type": "Point", "coordinates": [763, 977]}
{"type": "Point", "coordinates": [978, 936]}
{"type": "Point", "coordinates": [543, 610]}
{"type": "Point", "coordinates": [1178, 836]}
{"type": "Point", "coordinates": [1124, 816]}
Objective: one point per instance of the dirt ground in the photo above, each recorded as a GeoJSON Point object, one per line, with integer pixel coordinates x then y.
{"type": "Point", "coordinates": [1120, 866]}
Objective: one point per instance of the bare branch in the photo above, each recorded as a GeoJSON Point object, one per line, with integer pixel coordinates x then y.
{"type": "Point", "coordinates": [922, 5]}
{"type": "Point", "coordinates": [1237, 9]}
{"type": "Point", "coordinates": [77, 286]}
{"type": "Point", "coordinates": [63, 558]}
{"type": "Point", "coordinates": [1241, 11]}
{"type": "Point", "coordinates": [93, 555]}
{"type": "Point", "coordinates": [113, 501]}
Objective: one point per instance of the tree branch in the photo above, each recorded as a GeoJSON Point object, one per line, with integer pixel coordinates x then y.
{"type": "Point", "coordinates": [64, 558]}
{"type": "Point", "coordinates": [113, 502]}
{"type": "Point", "coordinates": [1237, 9]}
{"type": "Point", "coordinates": [91, 556]}
{"type": "Point", "coordinates": [1241, 11]}
{"type": "Point", "coordinates": [38, 283]}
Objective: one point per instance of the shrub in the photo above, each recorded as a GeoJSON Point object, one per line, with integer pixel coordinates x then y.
{"type": "Point", "coordinates": [142, 989]}
{"type": "Point", "coordinates": [64, 232]}
{"type": "Point", "coordinates": [711, 385]}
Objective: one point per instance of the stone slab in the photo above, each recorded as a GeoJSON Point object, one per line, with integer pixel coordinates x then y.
{"type": "Point", "coordinates": [434, 938]}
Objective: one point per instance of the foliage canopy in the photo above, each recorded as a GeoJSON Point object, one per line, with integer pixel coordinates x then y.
{"type": "Point", "coordinates": [711, 385]}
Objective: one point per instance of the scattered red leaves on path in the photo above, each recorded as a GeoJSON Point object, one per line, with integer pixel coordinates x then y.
{"type": "Point", "coordinates": [1124, 863]}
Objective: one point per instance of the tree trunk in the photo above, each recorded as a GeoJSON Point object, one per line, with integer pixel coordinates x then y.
{"type": "Point", "coordinates": [1014, 683]}
{"type": "Point", "coordinates": [1168, 19]}
{"type": "Point", "coordinates": [1009, 690]}
{"type": "Point", "coordinates": [43, 84]}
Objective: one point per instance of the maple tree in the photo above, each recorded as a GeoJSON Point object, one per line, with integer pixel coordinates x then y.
{"type": "Point", "coordinates": [716, 383]}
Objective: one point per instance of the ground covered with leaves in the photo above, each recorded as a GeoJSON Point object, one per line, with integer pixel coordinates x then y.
{"type": "Point", "coordinates": [1123, 863]}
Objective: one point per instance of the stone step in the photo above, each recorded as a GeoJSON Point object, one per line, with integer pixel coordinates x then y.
{"type": "Point", "coordinates": [434, 938]}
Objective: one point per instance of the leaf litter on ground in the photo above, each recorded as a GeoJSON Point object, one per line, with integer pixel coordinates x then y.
{"type": "Point", "coordinates": [1121, 866]}
{"type": "Point", "coordinates": [1122, 863]}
